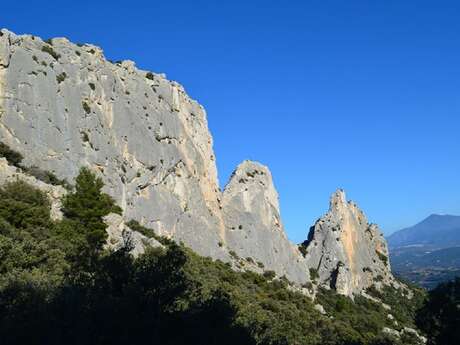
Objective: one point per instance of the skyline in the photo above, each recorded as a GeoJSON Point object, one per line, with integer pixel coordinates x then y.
{"type": "Point", "coordinates": [325, 98]}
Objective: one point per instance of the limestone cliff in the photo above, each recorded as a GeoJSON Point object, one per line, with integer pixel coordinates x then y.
{"type": "Point", "coordinates": [64, 106]}
{"type": "Point", "coordinates": [254, 228]}
{"type": "Point", "coordinates": [344, 251]}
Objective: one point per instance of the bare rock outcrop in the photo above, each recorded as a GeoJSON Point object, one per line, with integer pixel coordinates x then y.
{"type": "Point", "coordinates": [63, 106]}
{"type": "Point", "coordinates": [120, 235]}
{"type": "Point", "coordinates": [344, 251]}
{"type": "Point", "coordinates": [254, 229]}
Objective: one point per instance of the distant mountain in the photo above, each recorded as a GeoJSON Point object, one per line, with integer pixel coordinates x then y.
{"type": "Point", "coordinates": [427, 253]}
{"type": "Point", "coordinates": [437, 230]}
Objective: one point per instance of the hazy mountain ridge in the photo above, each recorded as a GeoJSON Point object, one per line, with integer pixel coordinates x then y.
{"type": "Point", "coordinates": [435, 230]}
{"type": "Point", "coordinates": [429, 252]}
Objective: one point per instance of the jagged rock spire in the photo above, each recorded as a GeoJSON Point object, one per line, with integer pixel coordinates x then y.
{"type": "Point", "coordinates": [254, 230]}
{"type": "Point", "coordinates": [64, 106]}
{"type": "Point", "coordinates": [348, 253]}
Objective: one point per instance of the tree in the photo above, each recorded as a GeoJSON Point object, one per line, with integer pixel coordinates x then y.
{"type": "Point", "coordinates": [87, 206]}
{"type": "Point", "coordinates": [440, 316]}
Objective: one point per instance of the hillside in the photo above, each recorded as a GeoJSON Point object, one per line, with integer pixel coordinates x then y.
{"type": "Point", "coordinates": [436, 230]}
{"type": "Point", "coordinates": [427, 253]}
{"type": "Point", "coordinates": [59, 285]}
{"type": "Point", "coordinates": [113, 229]}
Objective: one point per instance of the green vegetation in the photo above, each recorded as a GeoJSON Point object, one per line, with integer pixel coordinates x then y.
{"type": "Point", "coordinates": [149, 75]}
{"type": "Point", "coordinates": [303, 249]}
{"type": "Point", "coordinates": [13, 157]}
{"type": "Point", "coordinates": [58, 285]}
{"type": "Point", "coordinates": [86, 107]}
{"type": "Point", "coordinates": [46, 176]}
{"type": "Point", "coordinates": [61, 77]}
{"type": "Point", "coordinates": [404, 303]}
{"type": "Point", "coordinates": [134, 225]}
{"type": "Point", "coordinates": [314, 274]}
{"type": "Point", "coordinates": [86, 207]}
{"type": "Point", "coordinates": [48, 49]}
{"type": "Point", "coordinates": [382, 257]}
{"type": "Point", "coordinates": [440, 316]}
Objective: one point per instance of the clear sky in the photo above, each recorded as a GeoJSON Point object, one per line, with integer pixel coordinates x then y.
{"type": "Point", "coordinates": [363, 95]}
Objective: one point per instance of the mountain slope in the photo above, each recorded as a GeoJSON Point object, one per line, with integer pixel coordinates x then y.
{"type": "Point", "coordinates": [427, 253]}
{"type": "Point", "coordinates": [435, 230]}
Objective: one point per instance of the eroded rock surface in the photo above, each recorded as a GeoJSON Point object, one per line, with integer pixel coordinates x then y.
{"type": "Point", "coordinates": [345, 251]}
{"type": "Point", "coordinates": [64, 106]}
{"type": "Point", "coordinates": [254, 228]}
{"type": "Point", "coordinates": [120, 235]}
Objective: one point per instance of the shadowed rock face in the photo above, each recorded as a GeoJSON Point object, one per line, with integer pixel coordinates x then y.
{"type": "Point", "coordinates": [348, 253]}
{"type": "Point", "coordinates": [64, 106]}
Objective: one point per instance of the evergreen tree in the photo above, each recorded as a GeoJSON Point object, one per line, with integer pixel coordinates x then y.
{"type": "Point", "coordinates": [87, 206]}
{"type": "Point", "coordinates": [440, 316]}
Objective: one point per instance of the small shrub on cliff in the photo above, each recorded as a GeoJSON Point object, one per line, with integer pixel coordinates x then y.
{"type": "Point", "coordinates": [46, 176]}
{"type": "Point", "coordinates": [314, 274]}
{"type": "Point", "coordinates": [382, 257]}
{"type": "Point", "coordinates": [61, 77]}
{"type": "Point", "coordinates": [86, 107]}
{"type": "Point", "coordinates": [13, 157]}
{"type": "Point", "coordinates": [48, 49]}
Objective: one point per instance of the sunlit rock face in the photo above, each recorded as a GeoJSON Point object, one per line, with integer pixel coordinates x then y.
{"type": "Point", "coordinates": [254, 229]}
{"type": "Point", "coordinates": [64, 106]}
{"type": "Point", "coordinates": [347, 253]}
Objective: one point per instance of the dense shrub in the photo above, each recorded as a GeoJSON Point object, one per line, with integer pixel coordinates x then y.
{"type": "Point", "coordinates": [13, 157]}
{"type": "Point", "coordinates": [59, 286]}
{"type": "Point", "coordinates": [440, 316]}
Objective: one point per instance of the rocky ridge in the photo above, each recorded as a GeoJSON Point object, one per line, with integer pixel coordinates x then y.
{"type": "Point", "coordinates": [64, 106]}
{"type": "Point", "coordinates": [345, 251]}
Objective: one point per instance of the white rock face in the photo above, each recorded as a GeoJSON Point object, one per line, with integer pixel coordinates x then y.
{"type": "Point", "coordinates": [120, 235]}
{"type": "Point", "coordinates": [348, 253]}
{"type": "Point", "coordinates": [253, 223]}
{"type": "Point", "coordinates": [64, 106]}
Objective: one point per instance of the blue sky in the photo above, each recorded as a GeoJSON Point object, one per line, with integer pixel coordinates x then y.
{"type": "Point", "coordinates": [363, 95]}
